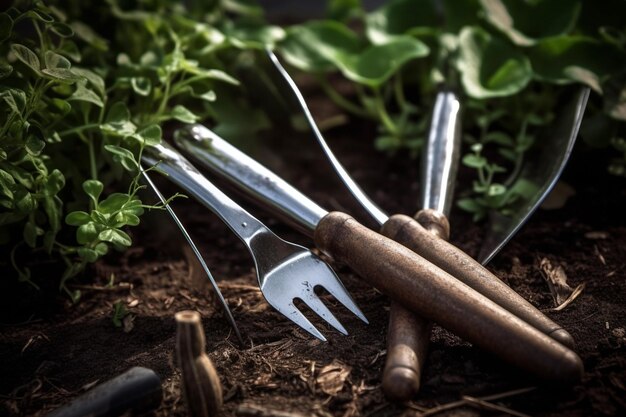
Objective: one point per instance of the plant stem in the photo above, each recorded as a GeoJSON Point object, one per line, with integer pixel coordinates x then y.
{"type": "Point", "coordinates": [340, 101]}
{"type": "Point", "coordinates": [382, 113]}
{"type": "Point", "coordinates": [79, 129]}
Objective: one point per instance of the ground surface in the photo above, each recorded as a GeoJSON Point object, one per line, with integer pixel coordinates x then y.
{"type": "Point", "coordinates": [51, 352]}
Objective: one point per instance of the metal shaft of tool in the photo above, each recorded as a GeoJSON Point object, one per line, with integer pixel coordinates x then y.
{"type": "Point", "coordinates": [257, 181]}
{"type": "Point", "coordinates": [372, 209]}
{"type": "Point", "coordinates": [194, 248]}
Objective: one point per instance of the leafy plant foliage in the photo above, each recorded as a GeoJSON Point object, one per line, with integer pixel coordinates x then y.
{"type": "Point", "coordinates": [81, 101]}
{"type": "Point", "coordinates": [505, 56]}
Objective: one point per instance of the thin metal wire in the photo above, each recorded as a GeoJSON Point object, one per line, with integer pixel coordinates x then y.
{"type": "Point", "coordinates": [196, 252]}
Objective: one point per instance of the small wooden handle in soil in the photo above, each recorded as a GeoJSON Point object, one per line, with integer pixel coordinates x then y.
{"type": "Point", "coordinates": [408, 232]}
{"type": "Point", "coordinates": [429, 291]}
{"type": "Point", "coordinates": [201, 386]}
{"type": "Point", "coordinates": [408, 335]}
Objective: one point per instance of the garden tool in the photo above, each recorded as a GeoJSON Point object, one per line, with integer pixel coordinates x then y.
{"type": "Point", "coordinates": [408, 335]}
{"type": "Point", "coordinates": [285, 271]}
{"type": "Point", "coordinates": [196, 252]}
{"type": "Point", "coordinates": [403, 275]}
{"type": "Point", "coordinates": [138, 390]}
{"type": "Point", "coordinates": [538, 175]}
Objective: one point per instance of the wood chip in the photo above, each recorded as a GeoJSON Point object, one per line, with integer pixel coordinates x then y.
{"type": "Point", "coordinates": [128, 323]}
{"type": "Point", "coordinates": [331, 378]}
{"type": "Point", "coordinates": [596, 235]}
{"type": "Point", "coordinates": [562, 293]}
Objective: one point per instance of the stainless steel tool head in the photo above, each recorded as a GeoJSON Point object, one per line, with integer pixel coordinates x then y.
{"type": "Point", "coordinates": [539, 174]}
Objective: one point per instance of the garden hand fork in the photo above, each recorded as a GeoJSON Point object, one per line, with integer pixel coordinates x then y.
{"type": "Point", "coordinates": [285, 271]}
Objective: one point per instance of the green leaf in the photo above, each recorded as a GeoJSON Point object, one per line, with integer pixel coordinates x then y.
{"type": "Point", "coordinates": [398, 17]}
{"type": "Point", "coordinates": [61, 29]}
{"type": "Point", "coordinates": [181, 113]}
{"type": "Point", "coordinates": [123, 156]}
{"type": "Point", "coordinates": [495, 190]}
{"type": "Point", "coordinates": [474, 161]}
{"type": "Point", "coordinates": [54, 183]}
{"type": "Point", "coordinates": [342, 10]}
{"type": "Point", "coordinates": [378, 63]}
{"type": "Point", "coordinates": [489, 67]}
{"type": "Point", "coordinates": [123, 218]}
{"type": "Point", "coordinates": [52, 206]}
{"type": "Point", "coordinates": [500, 138]}
{"type": "Point", "coordinates": [94, 79]}
{"type": "Point", "coordinates": [88, 255]}
{"type": "Point", "coordinates": [115, 236]}
{"type": "Point", "coordinates": [7, 184]}
{"type": "Point", "coordinates": [83, 94]}
{"type": "Point", "coordinates": [69, 49]}
{"type": "Point", "coordinates": [30, 234]}
{"type": "Point", "coordinates": [27, 56]}
{"type": "Point", "coordinates": [54, 61]}
{"type": "Point", "coordinates": [5, 70]}
{"type": "Point", "coordinates": [34, 145]}
{"type": "Point", "coordinates": [86, 233]}
{"type": "Point", "coordinates": [15, 99]}
{"type": "Point", "coordinates": [77, 218]}
{"type": "Point", "coordinates": [118, 121]}
{"type": "Point", "coordinates": [249, 34]}
{"type": "Point", "coordinates": [141, 85]}
{"type": "Point", "coordinates": [40, 16]}
{"type": "Point", "coordinates": [134, 206]}
{"type": "Point", "coordinates": [88, 35]}
{"type": "Point", "coordinates": [150, 135]}
{"type": "Point", "coordinates": [470, 205]}
{"type": "Point", "coordinates": [93, 188]}
{"type": "Point", "coordinates": [63, 106]}
{"type": "Point", "coordinates": [315, 47]}
{"type": "Point", "coordinates": [553, 58]}
{"type": "Point", "coordinates": [101, 249]}
{"type": "Point", "coordinates": [6, 26]}
{"type": "Point", "coordinates": [114, 203]}
{"type": "Point", "coordinates": [63, 75]}
{"type": "Point", "coordinates": [24, 201]}
{"type": "Point", "coordinates": [526, 22]}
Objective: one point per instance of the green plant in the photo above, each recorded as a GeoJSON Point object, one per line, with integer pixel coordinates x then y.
{"type": "Point", "coordinates": [507, 57]}
{"type": "Point", "coordinates": [79, 108]}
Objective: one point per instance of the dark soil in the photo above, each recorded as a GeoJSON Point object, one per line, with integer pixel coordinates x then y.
{"type": "Point", "coordinates": [51, 351]}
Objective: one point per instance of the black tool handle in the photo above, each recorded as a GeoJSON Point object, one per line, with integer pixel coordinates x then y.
{"type": "Point", "coordinates": [138, 389]}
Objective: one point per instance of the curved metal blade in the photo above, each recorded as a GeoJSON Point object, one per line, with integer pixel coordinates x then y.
{"type": "Point", "coordinates": [538, 176]}
{"type": "Point", "coordinates": [370, 207]}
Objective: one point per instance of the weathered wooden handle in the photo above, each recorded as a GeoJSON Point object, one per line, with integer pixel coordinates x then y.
{"type": "Point", "coordinates": [408, 335]}
{"type": "Point", "coordinates": [408, 232]}
{"type": "Point", "coordinates": [408, 338]}
{"type": "Point", "coordinates": [201, 385]}
{"type": "Point", "coordinates": [427, 290]}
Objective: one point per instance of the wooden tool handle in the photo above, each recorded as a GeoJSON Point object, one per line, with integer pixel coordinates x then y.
{"type": "Point", "coordinates": [427, 290]}
{"type": "Point", "coordinates": [408, 338]}
{"type": "Point", "coordinates": [408, 232]}
{"type": "Point", "coordinates": [408, 335]}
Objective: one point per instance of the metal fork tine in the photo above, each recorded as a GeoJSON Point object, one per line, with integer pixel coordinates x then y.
{"type": "Point", "coordinates": [315, 303]}
{"type": "Point", "coordinates": [337, 290]}
{"type": "Point", "coordinates": [295, 315]}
